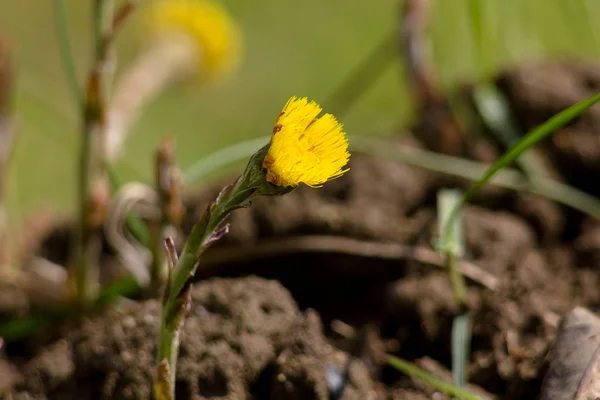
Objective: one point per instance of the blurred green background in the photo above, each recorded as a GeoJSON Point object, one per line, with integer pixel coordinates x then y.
{"type": "Point", "coordinates": [304, 48]}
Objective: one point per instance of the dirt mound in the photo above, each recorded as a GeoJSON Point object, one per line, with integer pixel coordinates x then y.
{"type": "Point", "coordinates": [243, 338]}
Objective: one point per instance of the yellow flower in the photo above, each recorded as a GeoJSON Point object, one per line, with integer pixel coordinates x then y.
{"type": "Point", "coordinates": [305, 149]}
{"type": "Point", "coordinates": [206, 23]}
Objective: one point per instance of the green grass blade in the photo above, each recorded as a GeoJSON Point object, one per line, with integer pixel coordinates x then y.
{"type": "Point", "coordinates": [507, 178]}
{"type": "Point", "coordinates": [66, 53]}
{"type": "Point", "coordinates": [461, 347]}
{"type": "Point", "coordinates": [417, 373]}
{"type": "Point", "coordinates": [529, 140]}
{"type": "Point", "coordinates": [477, 32]}
{"type": "Point", "coordinates": [222, 158]}
{"type": "Point", "coordinates": [495, 112]}
{"type": "Point", "coordinates": [472, 170]}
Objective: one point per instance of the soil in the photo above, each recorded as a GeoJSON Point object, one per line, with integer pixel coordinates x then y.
{"type": "Point", "coordinates": [309, 291]}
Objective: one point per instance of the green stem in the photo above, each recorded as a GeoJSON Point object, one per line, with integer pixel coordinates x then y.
{"type": "Point", "coordinates": [200, 236]}
{"type": "Point", "coordinates": [457, 280]}
{"type": "Point", "coordinates": [93, 185]}
{"type": "Point", "coordinates": [176, 300]}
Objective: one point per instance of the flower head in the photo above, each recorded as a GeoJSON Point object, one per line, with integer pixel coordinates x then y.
{"type": "Point", "coordinates": [304, 148]}
{"type": "Point", "coordinates": [206, 23]}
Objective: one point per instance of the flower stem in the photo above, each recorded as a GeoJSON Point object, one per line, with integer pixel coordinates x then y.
{"type": "Point", "coordinates": [255, 181]}
{"type": "Point", "coordinates": [93, 185]}
{"type": "Point", "coordinates": [176, 300]}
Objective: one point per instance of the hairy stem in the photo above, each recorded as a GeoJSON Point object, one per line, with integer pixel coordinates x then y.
{"type": "Point", "coordinates": [176, 300]}
{"type": "Point", "coordinates": [209, 229]}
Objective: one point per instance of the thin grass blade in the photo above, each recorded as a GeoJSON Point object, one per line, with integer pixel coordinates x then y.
{"type": "Point", "coordinates": [495, 112]}
{"type": "Point", "coordinates": [472, 170]}
{"type": "Point", "coordinates": [417, 373]}
{"type": "Point", "coordinates": [66, 52]}
{"type": "Point", "coordinates": [222, 158]}
{"type": "Point", "coordinates": [528, 141]}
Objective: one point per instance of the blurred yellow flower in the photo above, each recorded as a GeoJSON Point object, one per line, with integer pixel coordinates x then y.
{"type": "Point", "coordinates": [206, 23]}
{"type": "Point", "coordinates": [305, 149]}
